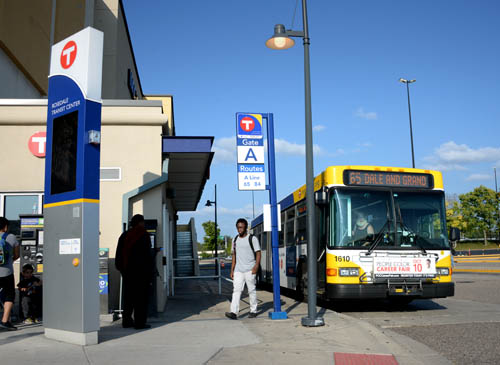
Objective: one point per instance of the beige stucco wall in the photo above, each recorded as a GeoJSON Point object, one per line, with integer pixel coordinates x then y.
{"type": "Point", "coordinates": [23, 172]}
{"type": "Point", "coordinates": [167, 102]}
{"type": "Point", "coordinates": [131, 139]}
{"type": "Point", "coordinates": [137, 151]}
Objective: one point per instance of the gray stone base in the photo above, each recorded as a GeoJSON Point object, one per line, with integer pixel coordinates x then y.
{"type": "Point", "coordinates": [76, 338]}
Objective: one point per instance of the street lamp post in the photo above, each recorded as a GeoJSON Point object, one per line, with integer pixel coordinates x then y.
{"type": "Point", "coordinates": [281, 40]}
{"type": "Point", "coordinates": [209, 204]}
{"type": "Point", "coordinates": [409, 113]}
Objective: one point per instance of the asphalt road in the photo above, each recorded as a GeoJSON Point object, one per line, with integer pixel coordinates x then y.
{"type": "Point", "coordinates": [464, 328]}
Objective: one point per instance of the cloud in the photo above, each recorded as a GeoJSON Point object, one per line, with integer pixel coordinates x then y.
{"type": "Point", "coordinates": [366, 144]}
{"type": "Point", "coordinates": [454, 153]}
{"type": "Point", "coordinates": [360, 113]}
{"type": "Point", "coordinates": [209, 211]}
{"type": "Point", "coordinates": [319, 128]}
{"type": "Point", "coordinates": [478, 177]}
{"type": "Point", "coordinates": [283, 147]}
{"type": "Point", "coordinates": [452, 156]}
{"type": "Point", "coordinates": [225, 149]}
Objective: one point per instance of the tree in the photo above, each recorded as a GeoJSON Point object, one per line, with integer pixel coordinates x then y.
{"type": "Point", "coordinates": [209, 239]}
{"type": "Point", "coordinates": [454, 217]}
{"type": "Point", "coordinates": [229, 241]}
{"type": "Point", "coordinates": [479, 210]}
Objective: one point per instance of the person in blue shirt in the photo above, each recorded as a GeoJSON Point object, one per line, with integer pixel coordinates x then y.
{"type": "Point", "coordinates": [9, 251]}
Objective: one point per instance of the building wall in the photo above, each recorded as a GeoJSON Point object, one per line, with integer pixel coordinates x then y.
{"type": "Point", "coordinates": [25, 27]}
{"type": "Point", "coordinates": [167, 102]}
{"type": "Point", "coordinates": [137, 151]}
{"type": "Point", "coordinates": [130, 140]}
{"type": "Point", "coordinates": [14, 83]}
{"type": "Point", "coordinates": [25, 36]}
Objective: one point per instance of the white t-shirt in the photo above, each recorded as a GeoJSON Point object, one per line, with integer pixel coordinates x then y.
{"type": "Point", "coordinates": [245, 258]}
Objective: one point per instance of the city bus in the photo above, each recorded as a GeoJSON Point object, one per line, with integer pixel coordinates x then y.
{"type": "Point", "coordinates": [381, 234]}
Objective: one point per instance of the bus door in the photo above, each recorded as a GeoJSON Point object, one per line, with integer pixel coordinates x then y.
{"type": "Point", "coordinates": [321, 221]}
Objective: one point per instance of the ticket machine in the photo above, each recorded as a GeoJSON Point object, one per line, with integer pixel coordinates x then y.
{"type": "Point", "coordinates": [31, 238]}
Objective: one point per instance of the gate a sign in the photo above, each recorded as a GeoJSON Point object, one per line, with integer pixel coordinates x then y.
{"type": "Point", "coordinates": [250, 149]}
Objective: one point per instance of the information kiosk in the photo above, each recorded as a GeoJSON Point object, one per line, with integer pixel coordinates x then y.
{"type": "Point", "coordinates": [71, 209]}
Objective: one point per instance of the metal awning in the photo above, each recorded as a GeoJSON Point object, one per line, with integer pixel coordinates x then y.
{"type": "Point", "coordinates": [188, 160]}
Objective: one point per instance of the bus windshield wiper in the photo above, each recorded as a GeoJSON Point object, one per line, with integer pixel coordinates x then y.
{"type": "Point", "coordinates": [408, 229]}
{"type": "Point", "coordinates": [380, 234]}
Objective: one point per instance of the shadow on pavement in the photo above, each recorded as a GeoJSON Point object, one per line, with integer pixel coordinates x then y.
{"type": "Point", "coordinates": [19, 336]}
{"type": "Point", "coordinates": [382, 306]}
{"type": "Point", "coordinates": [192, 297]}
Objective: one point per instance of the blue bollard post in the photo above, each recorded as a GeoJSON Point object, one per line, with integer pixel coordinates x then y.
{"type": "Point", "coordinates": [277, 314]}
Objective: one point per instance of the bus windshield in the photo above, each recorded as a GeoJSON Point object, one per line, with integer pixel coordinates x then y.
{"type": "Point", "coordinates": [370, 219]}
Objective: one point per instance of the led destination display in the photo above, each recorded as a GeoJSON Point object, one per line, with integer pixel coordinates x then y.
{"type": "Point", "coordinates": [385, 178]}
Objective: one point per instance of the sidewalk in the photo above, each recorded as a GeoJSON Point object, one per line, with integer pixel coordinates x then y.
{"type": "Point", "coordinates": [194, 330]}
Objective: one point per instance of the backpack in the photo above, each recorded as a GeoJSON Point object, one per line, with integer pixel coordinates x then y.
{"type": "Point", "coordinates": [3, 249]}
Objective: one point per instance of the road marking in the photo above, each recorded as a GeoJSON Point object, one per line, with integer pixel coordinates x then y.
{"type": "Point", "coordinates": [477, 261]}
{"type": "Point", "coordinates": [474, 256]}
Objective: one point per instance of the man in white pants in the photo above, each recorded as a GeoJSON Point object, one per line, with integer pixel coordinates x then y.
{"type": "Point", "coordinates": [246, 261]}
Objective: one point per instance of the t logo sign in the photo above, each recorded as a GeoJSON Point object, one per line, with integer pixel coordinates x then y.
{"type": "Point", "coordinates": [68, 54]}
{"type": "Point", "coordinates": [36, 144]}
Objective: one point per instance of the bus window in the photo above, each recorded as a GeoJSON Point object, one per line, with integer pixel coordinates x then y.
{"type": "Point", "coordinates": [262, 241]}
{"type": "Point", "coordinates": [421, 220]}
{"type": "Point", "coordinates": [281, 234]}
{"type": "Point", "coordinates": [301, 226]}
{"type": "Point", "coordinates": [349, 205]}
{"type": "Point", "coordinates": [290, 234]}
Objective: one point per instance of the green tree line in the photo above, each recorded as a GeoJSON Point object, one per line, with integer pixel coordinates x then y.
{"type": "Point", "coordinates": [476, 213]}
{"type": "Point", "coordinates": [209, 238]}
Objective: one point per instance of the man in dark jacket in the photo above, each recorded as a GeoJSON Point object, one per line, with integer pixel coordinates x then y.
{"type": "Point", "coordinates": [135, 262]}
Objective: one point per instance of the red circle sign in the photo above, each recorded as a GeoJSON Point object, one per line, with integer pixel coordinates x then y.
{"type": "Point", "coordinates": [68, 54]}
{"type": "Point", "coordinates": [247, 124]}
{"type": "Point", "coordinates": [37, 143]}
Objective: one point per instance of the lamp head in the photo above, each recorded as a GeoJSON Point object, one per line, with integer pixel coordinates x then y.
{"type": "Point", "coordinates": [280, 39]}
{"type": "Point", "coordinates": [404, 81]}
{"type": "Point", "coordinates": [208, 204]}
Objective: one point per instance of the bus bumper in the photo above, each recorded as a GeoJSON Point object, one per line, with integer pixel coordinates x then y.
{"type": "Point", "coordinates": [380, 291]}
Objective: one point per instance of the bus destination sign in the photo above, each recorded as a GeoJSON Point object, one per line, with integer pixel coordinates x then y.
{"type": "Point", "coordinates": [387, 178]}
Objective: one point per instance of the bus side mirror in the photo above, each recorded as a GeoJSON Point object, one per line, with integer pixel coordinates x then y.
{"type": "Point", "coordinates": [320, 197]}
{"type": "Point", "coordinates": [454, 234]}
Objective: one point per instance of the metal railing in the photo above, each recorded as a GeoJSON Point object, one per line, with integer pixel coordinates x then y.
{"type": "Point", "coordinates": [218, 276]}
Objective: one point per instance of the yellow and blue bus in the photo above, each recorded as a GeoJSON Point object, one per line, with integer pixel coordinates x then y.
{"type": "Point", "coordinates": [381, 233]}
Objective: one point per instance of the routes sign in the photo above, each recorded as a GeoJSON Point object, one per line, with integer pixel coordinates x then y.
{"type": "Point", "coordinates": [251, 177]}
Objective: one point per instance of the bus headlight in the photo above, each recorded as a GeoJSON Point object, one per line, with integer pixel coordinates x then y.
{"type": "Point", "coordinates": [348, 271]}
{"type": "Point", "coordinates": [443, 271]}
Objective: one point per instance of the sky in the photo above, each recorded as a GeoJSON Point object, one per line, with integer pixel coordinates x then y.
{"type": "Point", "coordinates": [211, 56]}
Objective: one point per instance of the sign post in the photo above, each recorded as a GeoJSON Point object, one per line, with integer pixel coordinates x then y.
{"type": "Point", "coordinates": [251, 176]}
{"type": "Point", "coordinates": [71, 209]}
